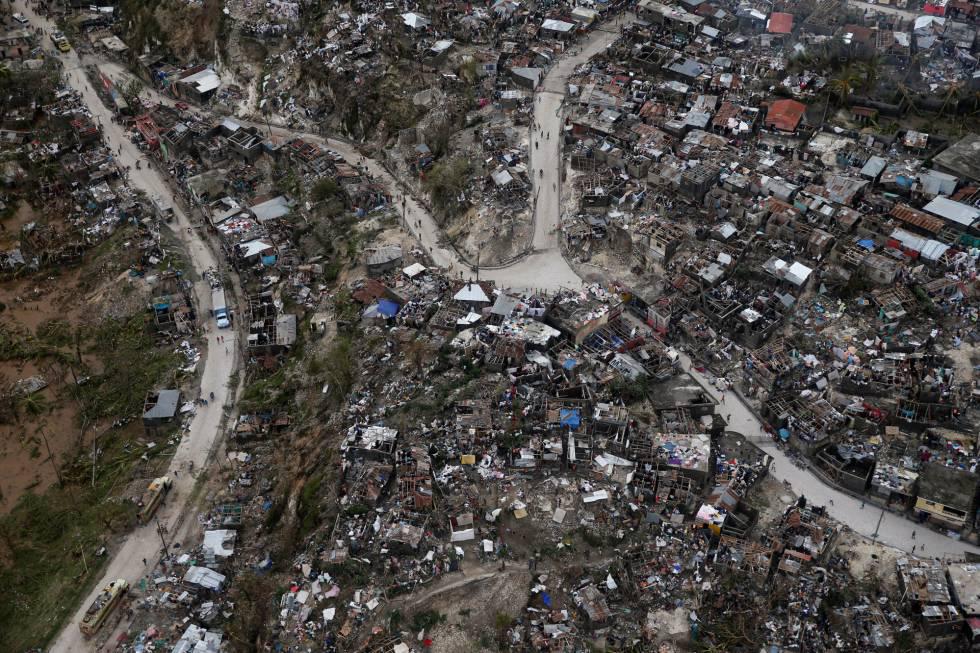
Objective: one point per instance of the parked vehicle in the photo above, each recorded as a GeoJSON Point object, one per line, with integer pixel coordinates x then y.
{"type": "Point", "coordinates": [60, 41]}
{"type": "Point", "coordinates": [102, 606]}
{"type": "Point", "coordinates": [164, 209]}
{"type": "Point", "coordinates": [19, 17]}
{"type": "Point", "coordinates": [219, 308]}
{"type": "Point", "coordinates": [154, 496]}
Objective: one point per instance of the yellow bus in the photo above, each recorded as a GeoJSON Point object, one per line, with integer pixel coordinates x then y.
{"type": "Point", "coordinates": [102, 606]}
{"type": "Point", "coordinates": [153, 497]}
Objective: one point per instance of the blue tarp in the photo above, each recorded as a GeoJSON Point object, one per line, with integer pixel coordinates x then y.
{"type": "Point", "coordinates": [867, 244]}
{"type": "Point", "coordinates": [387, 307]}
{"type": "Point", "coordinates": [269, 261]}
{"type": "Point", "coordinates": [546, 599]}
{"type": "Point", "coordinates": [783, 435]}
{"type": "Point", "coordinates": [569, 417]}
{"type": "Point", "coordinates": [569, 363]}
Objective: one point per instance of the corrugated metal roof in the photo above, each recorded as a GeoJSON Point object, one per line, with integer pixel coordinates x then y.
{"type": "Point", "coordinates": [780, 23]}
{"type": "Point", "coordinates": [785, 115]}
{"type": "Point", "coordinates": [916, 218]}
{"type": "Point", "coordinates": [958, 212]}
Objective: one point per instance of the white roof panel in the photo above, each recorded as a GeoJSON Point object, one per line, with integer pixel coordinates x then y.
{"type": "Point", "coordinates": [957, 212]}
{"type": "Point", "coordinates": [471, 292]}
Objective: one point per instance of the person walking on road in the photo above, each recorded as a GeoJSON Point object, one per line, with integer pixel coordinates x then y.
{"type": "Point", "coordinates": [913, 535]}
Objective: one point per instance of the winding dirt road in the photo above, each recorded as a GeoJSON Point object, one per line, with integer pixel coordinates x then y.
{"type": "Point", "coordinates": [219, 361]}
{"type": "Point", "coordinates": [545, 269]}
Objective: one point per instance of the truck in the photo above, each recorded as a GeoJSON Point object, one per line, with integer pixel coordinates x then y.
{"type": "Point", "coordinates": [153, 497]}
{"type": "Point", "coordinates": [103, 605]}
{"type": "Point", "coordinates": [219, 308]}
{"type": "Point", "coordinates": [164, 209]}
{"type": "Point", "coordinates": [60, 41]}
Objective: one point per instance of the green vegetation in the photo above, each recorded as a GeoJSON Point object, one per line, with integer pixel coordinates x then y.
{"type": "Point", "coordinates": [446, 182]}
{"type": "Point", "coordinates": [48, 542]}
{"type": "Point", "coordinates": [132, 366]}
{"type": "Point", "coordinates": [142, 27]}
{"type": "Point", "coordinates": [253, 608]}
{"type": "Point", "coordinates": [427, 619]}
{"type": "Point", "coordinates": [843, 85]}
{"type": "Point", "coordinates": [340, 368]}
{"type": "Point", "coordinates": [269, 392]}
{"type": "Point", "coordinates": [308, 507]}
{"type": "Point", "coordinates": [631, 391]}
{"type": "Point", "coordinates": [48, 545]}
{"type": "Point", "coordinates": [325, 189]}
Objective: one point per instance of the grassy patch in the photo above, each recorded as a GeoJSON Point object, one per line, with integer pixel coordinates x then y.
{"type": "Point", "coordinates": [267, 393]}
{"type": "Point", "coordinates": [48, 544]}
{"type": "Point", "coordinates": [132, 367]}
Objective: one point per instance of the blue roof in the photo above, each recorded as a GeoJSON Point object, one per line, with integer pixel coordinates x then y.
{"type": "Point", "coordinates": [387, 307]}
{"type": "Point", "coordinates": [569, 417]}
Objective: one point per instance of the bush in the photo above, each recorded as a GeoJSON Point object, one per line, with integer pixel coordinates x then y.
{"type": "Point", "coordinates": [446, 182]}
{"type": "Point", "coordinates": [325, 189]}
{"type": "Point", "coordinates": [631, 391]}
{"type": "Point", "coordinates": [427, 619]}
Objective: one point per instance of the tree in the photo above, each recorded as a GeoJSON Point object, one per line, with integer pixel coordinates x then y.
{"type": "Point", "coordinates": [906, 97]}
{"type": "Point", "coordinates": [132, 91]}
{"type": "Point", "coordinates": [34, 404]}
{"type": "Point", "coordinates": [446, 183]}
{"type": "Point", "coordinates": [872, 70]}
{"type": "Point", "coordinates": [325, 189]}
{"type": "Point", "coordinates": [843, 85]}
{"type": "Point", "coordinates": [951, 93]}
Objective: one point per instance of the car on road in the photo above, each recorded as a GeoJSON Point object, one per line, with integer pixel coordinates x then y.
{"type": "Point", "coordinates": [60, 41]}
{"type": "Point", "coordinates": [19, 17]}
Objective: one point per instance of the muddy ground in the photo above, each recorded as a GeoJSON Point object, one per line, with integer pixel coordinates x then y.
{"type": "Point", "coordinates": [80, 296]}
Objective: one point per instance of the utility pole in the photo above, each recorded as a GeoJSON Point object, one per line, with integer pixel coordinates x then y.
{"type": "Point", "coordinates": [166, 548]}
{"type": "Point", "coordinates": [874, 537]}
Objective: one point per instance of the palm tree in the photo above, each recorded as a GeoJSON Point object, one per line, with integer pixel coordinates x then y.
{"type": "Point", "coordinates": [907, 98]}
{"type": "Point", "coordinates": [871, 69]}
{"type": "Point", "coordinates": [953, 92]}
{"type": "Point", "coordinates": [843, 85]}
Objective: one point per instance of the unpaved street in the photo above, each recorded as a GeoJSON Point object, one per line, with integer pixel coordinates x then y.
{"type": "Point", "coordinates": [218, 362]}
{"type": "Point", "coordinates": [894, 530]}
{"type": "Point", "coordinates": [545, 269]}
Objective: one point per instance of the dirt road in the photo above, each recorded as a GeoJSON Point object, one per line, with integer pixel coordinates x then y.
{"type": "Point", "coordinates": [218, 363]}
{"type": "Point", "coordinates": [893, 530]}
{"type": "Point", "coordinates": [546, 268]}
{"type": "Point", "coordinates": [870, 8]}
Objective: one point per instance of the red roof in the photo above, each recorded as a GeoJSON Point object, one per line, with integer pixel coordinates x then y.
{"type": "Point", "coordinates": [780, 23]}
{"type": "Point", "coordinates": [785, 115]}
